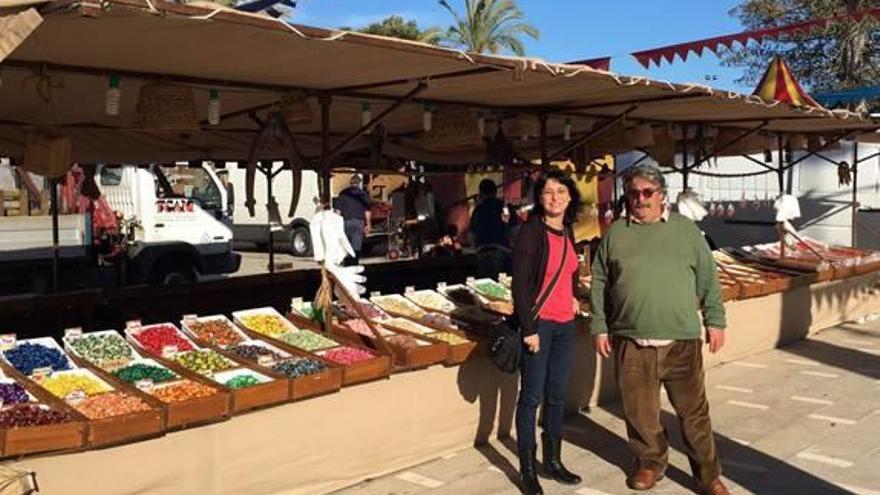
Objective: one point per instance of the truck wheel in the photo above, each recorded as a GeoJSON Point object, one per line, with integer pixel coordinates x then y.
{"type": "Point", "coordinates": [300, 242]}
{"type": "Point", "coordinates": [173, 272]}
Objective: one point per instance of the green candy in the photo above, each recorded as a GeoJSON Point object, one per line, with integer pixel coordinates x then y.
{"type": "Point", "coordinates": [242, 381]}
{"type": "Point", "coordinates": [102, 348]}
{"type": "Point", "coordinates": [139, 371]}
{"type": "Point", "coordinates": [204, 361]}
{"type": "Point", "coordinates": [308, 340]}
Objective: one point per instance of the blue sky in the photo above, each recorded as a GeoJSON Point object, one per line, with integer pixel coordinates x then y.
{"type": "Point", "coordinates": [575, 30]}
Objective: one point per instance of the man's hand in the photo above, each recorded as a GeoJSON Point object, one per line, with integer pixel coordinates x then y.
{"type": "Point", "coordinates": [576, 306]}
{"type": "Point", "coordinates": [533, 342]}
{"type": "Point", "coordinates": [603, 345]}
{"type": "Point", "coordinates": [715, 337]}
{"type": "Point", "coordinates": [367, 229]}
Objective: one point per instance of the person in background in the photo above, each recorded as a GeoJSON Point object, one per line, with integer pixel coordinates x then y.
{"type": "Point", "coordinates": [487, 223]}
{"type": "Point", "coordinates": [230, 196]}
{"type": "Point", "coordinates": [652, 272]}
{"type": "Point", "coordinates": [353, 203]}
{"type": "Point", "coordinates": [545, 274]}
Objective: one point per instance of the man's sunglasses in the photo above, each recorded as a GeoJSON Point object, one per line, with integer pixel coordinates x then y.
{"type": "Point", "coordinates": [646, 193]}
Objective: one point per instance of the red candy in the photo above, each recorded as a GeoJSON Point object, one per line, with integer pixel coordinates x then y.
{"type": "Point", "coordinates": [156, 337]}
{"type": "Point", "coordinates": [347, 355]}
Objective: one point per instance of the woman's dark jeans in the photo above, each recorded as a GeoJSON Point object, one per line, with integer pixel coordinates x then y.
{"type": "Point", "coordinates": [545, 376]}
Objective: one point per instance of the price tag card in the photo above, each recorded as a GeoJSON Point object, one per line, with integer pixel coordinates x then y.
{"type": "Point", "coordinates": [76, 396]}
{"type": "Point", "coordinates": [375, 293]}
{"type": "Point", "coordinates": [133, 324]}
{"type": "Point", "coordinates": [265, 360]}
{"type": "Point", "coordinates": [7, 341]}
{"type": "Point", "coordinates": [190, 318]}
{"type": "Point", "coordinates": [441, 286]}
{"type": "Point", "coordinates": [170, 351]}
{"type": "Point", "coordinates": [409, 290]}
{"type": "Point", "coordinates": [470, 281]}
{"type": "Point", "coordinates": [73, 333]}
{"type": "Point", "coordinates": [40, 373]}
{"type": "Point", "coordinates": [146, 385]}
{"type": "Point", "coordinates": [296, 303]}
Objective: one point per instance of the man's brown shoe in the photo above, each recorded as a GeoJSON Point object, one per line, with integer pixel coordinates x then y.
{"type": "Point", "coordinates": [716, 487]}
{"type": "Point", "coordinates": [644, 479]}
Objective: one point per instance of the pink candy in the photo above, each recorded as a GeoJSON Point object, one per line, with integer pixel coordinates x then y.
{"type": "Point", "coordinates": [347, 355]}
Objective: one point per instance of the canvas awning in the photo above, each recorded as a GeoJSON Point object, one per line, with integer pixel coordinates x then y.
{"type": "Point", "coordinates": [56, 81]}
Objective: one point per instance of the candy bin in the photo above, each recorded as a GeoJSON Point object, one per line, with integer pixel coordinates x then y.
{"type": "Point", "coordinates": [29, 425]}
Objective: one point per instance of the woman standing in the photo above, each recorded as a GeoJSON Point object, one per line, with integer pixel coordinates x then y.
{"type": "Point", "coordinates": [544, 279]}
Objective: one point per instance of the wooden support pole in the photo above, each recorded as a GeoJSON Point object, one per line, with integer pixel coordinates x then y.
{"type": "Point", "coordinates": [855, 194]}
{"type": "Point", "coordinates": [324, 101]}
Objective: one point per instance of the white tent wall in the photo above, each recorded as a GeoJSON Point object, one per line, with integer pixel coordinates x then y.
{"type": "Point", "coordinates": [826, 208]}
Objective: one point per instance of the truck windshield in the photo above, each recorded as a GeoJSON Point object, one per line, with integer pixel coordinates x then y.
{"type": "Point", "coordinates": [194, 183]}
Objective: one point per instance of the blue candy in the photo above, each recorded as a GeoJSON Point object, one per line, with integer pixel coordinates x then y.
{"type": "Point", "coordinates": [27, 357]}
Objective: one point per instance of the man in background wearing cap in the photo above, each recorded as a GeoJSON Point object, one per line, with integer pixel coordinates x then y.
{"type": "Point", "coordinates": [353, 203]}
{"type": "Point", "coordinates": [652, 273]}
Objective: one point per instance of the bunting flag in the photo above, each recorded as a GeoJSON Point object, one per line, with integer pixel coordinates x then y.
{"type": "Point", "coordinates": [779, 84]}
{"type": "Point", "coordinates": [683, 50]}
{"type": "Point", "coordinates": [602, 63]}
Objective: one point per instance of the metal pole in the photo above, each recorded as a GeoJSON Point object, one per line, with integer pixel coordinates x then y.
{"type": "Point", "coordinates": [780, 172]}
{"type": "Point", "coordinates": [545, 157]}
{"type": "Point", "coordinates": [684, 158]}
{"type": "Point", "coordinates": [855, 194]}
{"type": "Point", "coordinates": [325, 101]}
{"type": "Point", "coordinates": [270, 201]}
{"type": "Point", "coordinates": [53, 195]}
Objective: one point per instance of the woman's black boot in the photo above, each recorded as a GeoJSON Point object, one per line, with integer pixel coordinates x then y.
{"type": "Point", "coordinates": [528, 475]}
{"type": "Point", "coordinates": [553, 468]}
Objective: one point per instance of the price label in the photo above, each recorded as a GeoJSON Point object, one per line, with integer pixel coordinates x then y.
{"type": "Point", "coordinates": [503, 275]}
{"type": "Point", "coordinates": [73, 333]}
{"type": "Point", "coordinates": [133, 324]}
{"type": "Point", "coordinates": [470, 281]}
{"type": "Point", "coordinates": [145, 385]}
{"type": "Point", "coordinates": [169, 351]}
{"type": "Point", "coordinates": [265, 360]}
{"type": "Point", "coordinates": [375, 293]}
{"type": "Point", "coordinates": [296, 303]}
{"type": "Point", "coordinates": [75, 396]}
{"type": "Point", "coordinates": [441, 286]}
{"type": "Point", "coordinates": [190, 318]}
{"type": "Point", "coordinates": [41, 373]}
{"type": "Point", "coordinates": [409, 290]}
{"type": "Point", "coordinates": [7, 341]}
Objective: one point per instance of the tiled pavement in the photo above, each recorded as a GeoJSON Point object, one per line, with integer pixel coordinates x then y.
{"type": "Point", "coordinates": [801, 420]}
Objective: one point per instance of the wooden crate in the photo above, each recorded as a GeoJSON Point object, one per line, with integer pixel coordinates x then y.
{"type": "Point", "coordinates": [178, 415]}
{"type": "Point", "coordinates": [364, 371]}
{"type": "Point", "coordinates": [456, 354]}
{"type": "Point", "coordinates": [418, 357]}
{"type": "Point", "coordinates": [25, 440]}
{"type": "Point", "coordinates": [327, 381]}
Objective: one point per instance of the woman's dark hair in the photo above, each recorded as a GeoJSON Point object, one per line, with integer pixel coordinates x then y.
{"type": "Point", "coordinates": [574, 206]}
{"type": "Point", "coordinates": [488, 188]}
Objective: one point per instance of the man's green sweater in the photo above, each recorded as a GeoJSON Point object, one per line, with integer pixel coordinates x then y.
{"type": "Point", "coordinates": [650, 280]}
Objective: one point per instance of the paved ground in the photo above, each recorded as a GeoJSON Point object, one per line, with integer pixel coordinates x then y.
{"type": "Point", "coordinates": [801, 420]}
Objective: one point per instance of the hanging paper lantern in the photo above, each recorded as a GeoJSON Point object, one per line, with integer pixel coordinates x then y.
{"type": "Point", "coordinates": [481, 124]}
{"type": "Point", "coordinates": [427, 117]}
{"type": "Point", "coordinates": [214, 107]}
{"type": "Point", "coordinates": [567, 130]}
{"type": "Point", "coordinates": [366, 115]}
{"type": "Point", "coordinates": [114, 95]}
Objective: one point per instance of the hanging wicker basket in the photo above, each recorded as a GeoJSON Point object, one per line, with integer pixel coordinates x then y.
{"type": "Point", "coordinates": [452, 129]}
{"type": "Point", "coordinates": [295, 109]}
{"type": "Point", "coordinates": [524, 126]}
{"type": "Point", "coordinates": [163, 106]}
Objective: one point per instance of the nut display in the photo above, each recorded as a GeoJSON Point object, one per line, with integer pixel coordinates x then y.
{"type": "Point", "coordinates": [449, 338]}
{"type": "Point", "coordinates": [102, 348]}
{"type": "Point", "coordinates": [13, 393]}
{"type": "Point", "coordinates": [155, 338]}
{"type": "Point", "coordinates": [30, 415]}
{"type": "Point", "coordinates": [204, 361]}
{"type": "Point", "coordinates": [270, 325]}
{"type": "Point", "coordinates": [62, 385]}
{"type": "Point", "coordinates": [140, 371]}
{"type": "Point", "coordinates": [242, 381]}
{"type": "Point", "coordinates": [348, 355]}
{"type": "Point", "coordinates": [217, 331]}
{"type": "Point", "coordinates": [398, 305]}
{"type": "Point", "coordinates": [182, 391]}
{"type": "Point", "coordinates": [431, 300]}
{"type": "Point", "coordinates": [26, 357]}
{"type": "Point", "coordinates": [308, 340]}
{"type": "Point", "coordinates": [293, 368]}
{"type": "Point", "coordinates": [111, 404]}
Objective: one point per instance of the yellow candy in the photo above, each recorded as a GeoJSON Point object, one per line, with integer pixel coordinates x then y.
{"type": "Point", "coordinates": [62, 385]}
{"type": "Point", "coordinates": [265, 324]}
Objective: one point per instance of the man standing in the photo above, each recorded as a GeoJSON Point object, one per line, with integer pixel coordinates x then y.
{"type": "Point", "coordinates": [230, 196]}
{"type": "Point", "coordinates": [651, 274]}
{"type": "Point", "coordinates": [353, 203]}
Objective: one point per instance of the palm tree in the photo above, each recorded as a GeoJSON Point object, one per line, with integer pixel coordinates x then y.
{"type": "Point", "coordinates": [489, 26]}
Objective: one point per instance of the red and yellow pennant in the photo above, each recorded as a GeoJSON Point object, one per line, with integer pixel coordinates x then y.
{"type": "Point", "coordinates": [778, 84]}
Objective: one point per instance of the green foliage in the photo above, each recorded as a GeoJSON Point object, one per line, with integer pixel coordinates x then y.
{"type": "Point", "coordinates": [396, 26]}
{"type": "Point", "coordinates": [489, 26]}
{"type": "Point", "coordinates": [844, 55]}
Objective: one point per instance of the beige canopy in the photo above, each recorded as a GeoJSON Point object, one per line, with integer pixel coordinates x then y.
{"type": "Point", "coordinates": [56, 82]}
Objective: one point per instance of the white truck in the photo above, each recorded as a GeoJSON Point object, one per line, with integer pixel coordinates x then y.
{"type": "Point", "coordinates": [163, 236]}
{"type": "Point", "coordinates": [291, 232]}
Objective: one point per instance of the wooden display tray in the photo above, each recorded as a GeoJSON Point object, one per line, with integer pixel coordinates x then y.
{"type": "Point", "coordinates": [457, 354]}
{"type": "Point", "coordinates": [107, 431]}
{"type": "Point", "coordinates": [242, 399]}
{"type": "Point", "coordinates": [351, 374]}
{"type": "Point", "coordinates": [178, 415]}
{"type": "Point", "coordinates": [323, 382]}
{"type": "Point", "coordinates": [25, 440]}
{"type": "Point", "coordinates": [418, 357]}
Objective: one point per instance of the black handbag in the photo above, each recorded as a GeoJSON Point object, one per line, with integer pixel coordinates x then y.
{"type": "Point", "coordinates": [505, 345]}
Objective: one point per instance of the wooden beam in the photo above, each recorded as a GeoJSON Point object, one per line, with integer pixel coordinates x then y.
{"type": "Point", "coordinates": [396, 82]}
{"type": "Point", "coordinates": [604, 127]}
